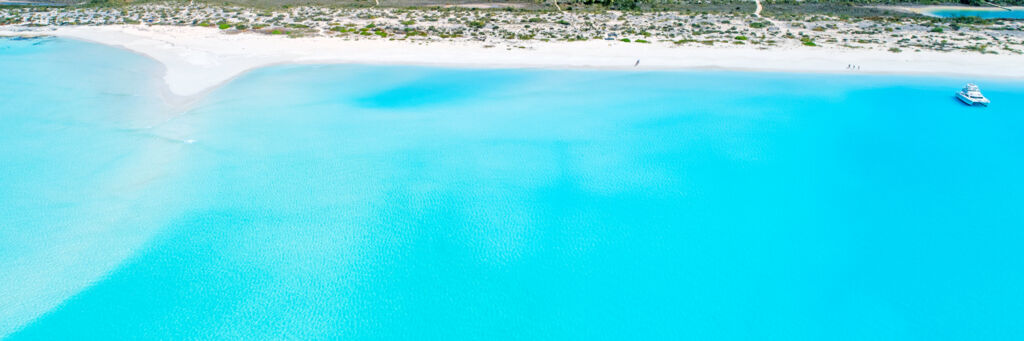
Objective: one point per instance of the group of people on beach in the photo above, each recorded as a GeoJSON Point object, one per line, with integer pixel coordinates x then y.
{"type": "Point", "coordinates": [852, 67]}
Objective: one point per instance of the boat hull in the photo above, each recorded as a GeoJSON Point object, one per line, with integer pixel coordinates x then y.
{"type": "Point", "coordinates": [969, 101]}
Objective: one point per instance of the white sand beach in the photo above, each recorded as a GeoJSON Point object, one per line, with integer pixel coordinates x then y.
{"type": "Point", "coordinates": [197, 59]}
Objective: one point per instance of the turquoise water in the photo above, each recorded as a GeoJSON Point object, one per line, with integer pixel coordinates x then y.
{"type": "Point", "coordinates": [29, 3]}
{"type": "Point", "coordinates": [993, 14]}
{"type": "Point", "coordinates": [372, 202]}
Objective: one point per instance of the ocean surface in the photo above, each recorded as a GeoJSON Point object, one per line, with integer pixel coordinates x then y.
{"type": "Point", "coordinates": [1017, 13]}
{"type": "Point", "coordinates": [389, 202]}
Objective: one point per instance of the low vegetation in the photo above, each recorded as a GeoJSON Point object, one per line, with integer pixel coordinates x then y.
{"type": "Point", "coordinates": [697, 24]}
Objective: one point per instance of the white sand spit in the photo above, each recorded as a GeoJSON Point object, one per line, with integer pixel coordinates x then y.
{"type": "Point", "coordinates": [197, 59]}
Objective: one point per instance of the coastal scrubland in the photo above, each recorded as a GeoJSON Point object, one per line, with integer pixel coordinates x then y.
{"type": "Point", "coordinates": [518, 27]}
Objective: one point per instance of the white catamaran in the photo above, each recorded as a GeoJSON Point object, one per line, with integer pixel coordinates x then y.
{"type": "Point", "coordinates": [971, 95]}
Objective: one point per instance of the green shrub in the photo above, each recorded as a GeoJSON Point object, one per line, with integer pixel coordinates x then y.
{"type": "Point", "coordinates": [741, 38]}
{"type": "Point", "coordinates": [625, 40]}
{"type": "Point", "coordinates": [224, 26]}
{"type": "Point", "coordinates": [972, 20]}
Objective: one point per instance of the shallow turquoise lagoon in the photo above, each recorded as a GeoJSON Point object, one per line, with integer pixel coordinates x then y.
{"type": "Point", "coordinates": [1017, 13]}
{"type": "Point", "coordinates": [372, 202]}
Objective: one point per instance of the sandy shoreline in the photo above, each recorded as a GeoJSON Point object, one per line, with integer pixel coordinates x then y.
{"type": "Point", "coordinates": [197, 59]}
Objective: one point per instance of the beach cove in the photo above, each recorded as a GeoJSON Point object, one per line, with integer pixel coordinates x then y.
{"type": "Point", "coordinates": [178, 183]}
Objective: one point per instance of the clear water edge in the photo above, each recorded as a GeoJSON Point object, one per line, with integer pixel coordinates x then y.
{"type": "Point", "coordinates": [1017, 13]}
